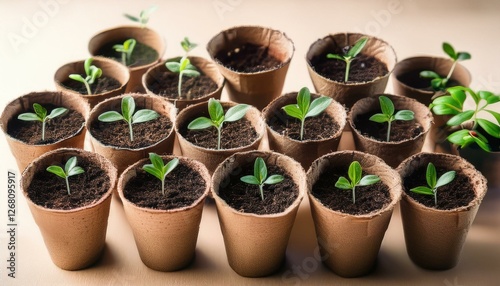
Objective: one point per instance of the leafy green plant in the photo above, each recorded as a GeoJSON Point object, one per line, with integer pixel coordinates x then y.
{"type": "Point", "coordinates": [464, 124]}
{"type": "Point", "coordinates": [187, 45]}
{"type": "Point", "coordinates": [349, 55]}
{"type": "Point", "coordinates": [127, 48]}
{"type": "Point", "coordinates": [437, 82]}
{"type": "Point", "coordinates": [92, 73]}
{"type": "Point", "coordinates": [355, 173]}
{"type": "Point", "coordinates": [143, 18]}
{"type": "Point", "coordinates": [433, 183]}
{"type": "Point", "coordinates": [217, 117]}
{"type": "Point", "coordinates": [70, 169]}
{"type": "Point", "coordinates": [129, 115]}
{"type": "Point", "coordinates": [159, 169]}
{"type": "Point", "coordinates": [388, 115]}
{"type": "Point", "coordinates": [305, 108]}
{"type": "Point", "coordinates": [184, 66]}
{"type": "Point", "coordinates": [260, 177]}
{"type": "Point", "coordinates": [41, 115]}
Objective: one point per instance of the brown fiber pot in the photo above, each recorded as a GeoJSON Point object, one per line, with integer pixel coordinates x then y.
{"type": "Point", "coordinates": [259, 88]}
{"type": "Point", "coordinates": [434, 238]}
{"type": "Point", "coordinates": [110, 68]}
{"type": "Point", "coordinates": [256, 244]}
{"type": "Point", "coordinates": [349, 243]}
{"type": "Point", "coordinates": [348, 93]}
{"type": "Point", "coordinates": [24, 153]}
{"type": "Point", "coordinates": [306, 151]}
{"type": "Point", "coordinates": [203, 65]}
{"type": "Point", "coordinates": [393, 153]}
{"type": "Point", "coordinates": [75, 238]}
{"type": "Point", "coordinates": [165, 239]}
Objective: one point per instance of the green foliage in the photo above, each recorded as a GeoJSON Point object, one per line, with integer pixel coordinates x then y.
{"type": "Point", "coordinates": [433, 183]}
{"type": "Point", "coordinates": [70, 169]}
{"type": "Point", "coordinates": [184, 66]}
{"type": "Point", "coordinates": [187, 46]}
{"type": "Point", "coordinates": [260, 177]}
{"type": "Point", "coordinates": [349, 55]}
{"type": "Point", "coordinates": [159, 169]}
{"type": "Point", "coordinates": [127, 48]}
{"type": "Point", "coordinates": [388, 115]}
{"type": "Point", "coordinates": [41, 115]}
{"type": "Point", "coordinates": [355, 173]}
{"type": "Point", "coordinates": [92, 73]}
{"type": "Point", "coordinates": [143, 18]}
{"type": "Point", "coordinates": [305, 108]}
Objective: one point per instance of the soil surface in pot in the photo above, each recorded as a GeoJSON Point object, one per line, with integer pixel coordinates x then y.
{"type": "Point", "coordinates": [141, 55]}
{"type": "Point", "coordinates": [457, 193]}
{"type": "Point", "coordinates": [101, 85]}
{"type": "Point", "coordinates": [400, 129]}
{"type": "Point", "coordinates": [246, 198]}
{"type": "Point", "coordinates": [56, 129]}
{"type": "Point", "coordinates": [183, 186]}
{"type": "Point", "coordinates": [166, 84]}
{"type": "Point", "coordinates": [368, 198]}
{"type": "Point", "coordinates": [248, 58]}
{"type": "Point", "coordinates": [48, 190]}
{"type": "Point", "coordinates": [413, 79]}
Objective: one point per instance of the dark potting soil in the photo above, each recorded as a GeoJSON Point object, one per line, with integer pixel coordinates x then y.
{"type": "Point", "coordinates": [56, 129]}
{"type": "Point", "coordinates": [413, 79]}
{"type": "Point", "coordinates": [246, 198]}
{"type": "Point", "coordinates": [166, 84]}
{"type": "Point", "coordinates": [183, 186]}
{"type": "Point", "coordinates": [141, 55]}
{"type": "Point", "coordinates": [368, 198]}
{"type": "Point", "coordinates": [457, 193]}
{"type": "Point", "coordinates": [400, 129]}
{"type": "Point", "coordinates": [49, 190]}
{"type": "Point", "coordinates": [248, 58]}
{"type": "Point", "coordinates": [101, 85]}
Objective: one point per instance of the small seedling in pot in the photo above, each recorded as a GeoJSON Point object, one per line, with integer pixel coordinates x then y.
{"type": "Point", "coordinates": [433, 183]}
{"type": "Point", "coordinates": [305, 108]}
{"type": "Point", "coordinates": [388, 115]}
{"type": "Point", "coordinates": [184, 66]}
{"type": "Point", "coordinates": [126, 49]}
{"type": "Point", "coordinates": [70, 169]}
{"type": "Point", "coordinates": [143, 18]}
{"type": "Point", "coordinates": [260, 177]}
{"type": "Point", "coordinates": [355, 173]}
{"type": "Point", "coordinates": [129, 115]}
{"type": "Point", "coordinates": [92, 73]}
{"type": "Point", "coordinates": [41, 115]}
{"type": "Point", "coordinates": [217, 117]}
{"type": "Point", "coordinates": [437, 82]}
{"type": "Point", "coordinates": [159, 169]}
{"type": "Point", "coordinates": [349, 55]}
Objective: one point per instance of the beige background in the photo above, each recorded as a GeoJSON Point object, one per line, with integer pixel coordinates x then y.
{"type": "Point", "coordinates": [39, 36]}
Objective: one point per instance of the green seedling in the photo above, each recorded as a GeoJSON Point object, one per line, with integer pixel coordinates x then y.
{"type": "Point", "coordinates": [349, 55]}
{"type": "Point", "coordinates": [143, 18]}
{"type": "Point", "coordinates": [305, 108]}
{"type": "Point", "coordinates": [127, 48]}
{"type": "Point", "coordinates": [70, 169]}
{"type": "Point", "coordinates": [260, 177]}
{"type": "Point", "coordinates": [433, 183]}
{"type": "Point", "coordinates": [92, 73]}
{"type": "Point", "coordinates": [355, 180]}
{"type": "Point", "coordinates": [41, 115]}
{"type": "Point", "coordinates": [187, 45]}
{"type": "Point", "coordinates": [159, 169]}
{"type": "Point", "coordinates": [129, 115]}
{"type": "Point", "coordinates": [437, 82]}
{"type": "Point", "coordinates": [184, 66]}
{"type": "Point", "coordinates": [217, 117]}
{"type": "Point", "coordinates": [388, 115]}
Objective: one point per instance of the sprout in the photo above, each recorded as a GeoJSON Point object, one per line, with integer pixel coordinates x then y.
{"type": "Point", "coordinates": [434, 183]}
{"type": "Point", "coordinates": [159, 169]}
{"type": "Point", "coordinates": [184, 66]}
{"type": "Point", "coordinates": [41, 115]}
{"type": "Point", "coordinates": [349, 56]}
{"type": "Point", "coordinates": [388, 115]}
{"type": "Point", "coordinates": [92, 73]}
{"type": "Point", "coordinates": [70, 169]}
{"type": "Point", "coordinates": [356, 180]}
{"type": "Point", "coordinates": [260, 177]}
{"type": "Point", "coordinates": [126, 49]}
{"type": "Point", "coordinates": [143, 18]}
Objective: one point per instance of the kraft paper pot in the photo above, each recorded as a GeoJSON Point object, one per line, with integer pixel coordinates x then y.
{"type": "Point", "coordinates": [110, 68]}
{"type": "Point", "coordinates": [392, 152]}
{"type": "Point", "coordinates": [434, 238]}
{"type": "Point", "coordinates": [23, 152]}
{"type": "Point", "coordinates": [256, 244]}
{"type": "Point", "coordinates": [306, 151]}
{"type": "Point", "coordinates": [74, 238]}
{"type": "Point", "coordinates": [350, 243]}
{"type": "Point", "coordinates": [123, 157]}
{"type": "Point", "coordinates": [257, 88]}
{"type": "Point", "coordinates": [348, 93]}
{"type": "Point", "coordinates": [118, 35]}
{"type": "Point", "coordinates": [203, 65]}
{"type": "Point", "coordinates": [165, 239]}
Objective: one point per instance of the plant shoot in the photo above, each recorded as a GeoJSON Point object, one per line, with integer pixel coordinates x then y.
{"type": "Point", "coordinates": [92, 73]}
{"type": "Point", "coordinates": [184, 66]}
{"type": "Point", "coordinates": [126, 49]}
{"type": "Point", "coordinates": [159, 169]}
{"type": "Point", "coordinates": [355, 173]}
{"type": "Point", "coordinates": [388, 115]}
{"type": "Point", "coordinates": [349, 55]}
{"type": "Point", "coordinates": [260, 177]}
{"type": "Point", "coordinates": [70, 169]}
{"type": "Point", "coordinates": [143, 17]}
{"type": "Point", "coordinates": [41, 115]}
{"type": "Point", "coordinates": [433, 183]}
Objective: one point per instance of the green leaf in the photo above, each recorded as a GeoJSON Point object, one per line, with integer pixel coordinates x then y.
{"type": "Point", "coordinates": [57, 170]}
{"type": "Point", "coordinates": [379, 117]}
{"type": "Point", "coordinates": [56, 112]}
{"type": "Point", "coordinates": [343, 183]}
{"type": "Point", "coordinates": [40, 110]}
{"type": "Point", "coordinates": [236, 112]}
{"type": "Point", "coordinates": [446, 178]}
{"type": "Point", "coordinates": [457, 137]}
{"type": "Point", "coordinates": [293, 110]}
{"type": "Point", "coordinates": [444, 110]}
{"type": "Point", "coordinates": [462, 56]}
{"type": "Point", "coordinates": [460, 118]}
{"type": "Point", "coordinates": [422, 190]}
{"type": "Point", "coordinates": [70, 164]}
{"type": "Point", "coordinates": [215, 110]}
{"type": "Point", "coordinates": [200, 123]}
{"type": "Point", "coordinates": [190, 73]}
{"type": "Point", "coordinates": [482, 143]}
{"type": "Point", "coordinates": [495, 114]}
{"type": "Point", "coordinates": [144, 115]}
{"type": "Point", "coordinates": [249, 179]}
{"type": "Point", "coordinates": [28, 116]}
{"type": "Point", "coordinates": [156, 160]}
{"type": "Point", "coordinates": [319, 105]}
{"type": "Point", "coordinates": [335, 56]}
{"type": "Point", "coordinates": [260, 169]}
{"type": "Point", "coordinates": [449, 50]}
{"type": "Point", "coordinates": [170, 166]}
{"type": "Point", "coordinates": [386, 105]}
{"type": "Point", "coordinates": [404, 115]}
{"type": "Point", "coordinates": [358, 46]}
{"type": "Point", "coordinates": [75, 171]}
{"type": "Point", "coordinates": [153, 171]}
{"type": "Point", "coordinates": [458, 95]}
{"type": "Point", "coordinates": [304, 100]}
{"type": "Point", "coordinates": [132, 18]}
{"type": "Point", "coordinates": [184, 62]}
{"type": "Point", "coordinates": [273, 179]}
{"type": "Point", "coordinates": [173, 67]}
{"type": "Point", "coordinates": [354, 172]}
{"type": "Point", "coordinates": [77, 77]}
{"type": "Point", "coordinates": [369, 180]}
{"type": "Point", "coordinates": [431, 175]}
{"type": "Point", "coordinates": [86, 65]}
{"type": "Point", "coordinates": [429, 74]}
{"type": "Point", "coordinates": [128, 107]}
{"type": "Point", "coordinates": [110, 116]}
{"type": "Point", "coordinates": [438, 83]}
{"type": "Point", "coordinates": [490, 128]}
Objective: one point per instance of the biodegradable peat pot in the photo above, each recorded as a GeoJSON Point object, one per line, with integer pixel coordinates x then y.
{"type": "Point", "coordinates": [350, 243]}
{"type": "Point", "coordinates": [158, 73]}
{"type": "Point", "coordinates": [488, 163]}
{"type": "Point", "coordinates": [350, 92]}
{"type": "Point", "coordinates": [159, 136]}
{"type": "Point", "coordinates": [105, 89]}
{"type": "Point", "coordinates": [392, 152]}
{"type": "Point", "coordinates": [25, 152]}
{"type": "Point", "coordinates": [256, 243]}
{"type": "Point", "coordinates": [435, 237]}
{"type": "Point", "coordinates": [256, 87]}
{"type": "Point", "coordinates": [107, 38]}
{"type": "Point", "coordinates": [165, 233]}
{"type": "Point", "coordinates": [75, 238]}
{"type": "Point", "coordinates": [307, 150]}
{"type": "Point", "coordinates": [210, 156]}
